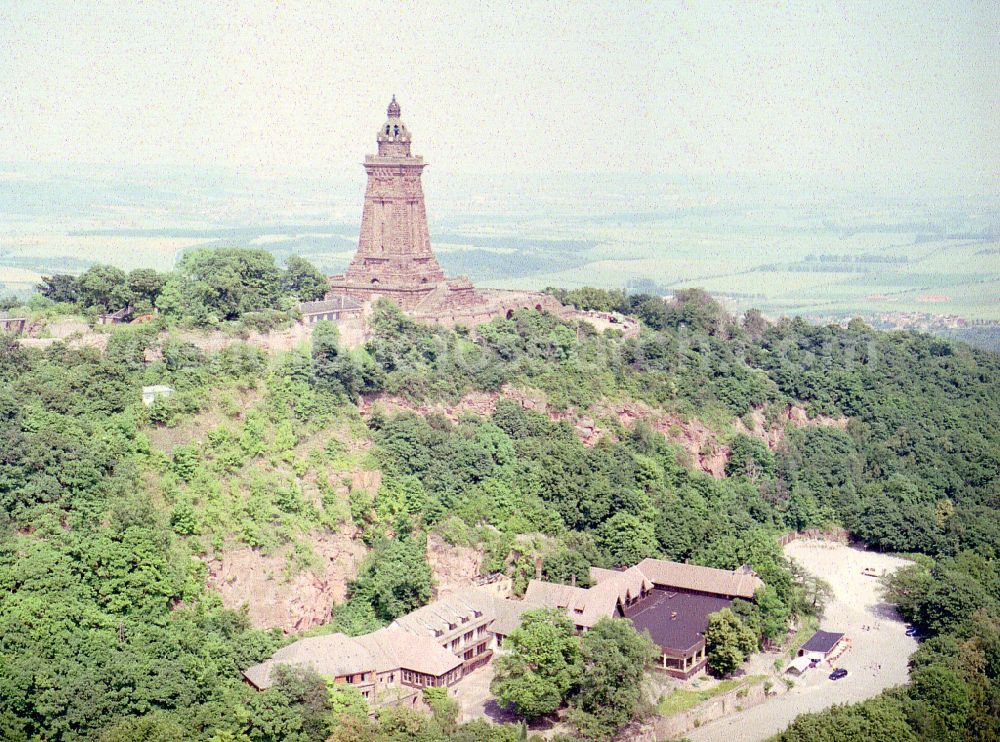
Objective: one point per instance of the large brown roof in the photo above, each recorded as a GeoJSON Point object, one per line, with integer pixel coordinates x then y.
{"type": "Point", "coordinates": [676, 621]}
{"type": "Point", "coordinates": [410, 642]}
{"type": "Point", "coordinates": [333, 655]}
{"type": "Point", "coordinates": [409, 652]}
{"type": "Point", "coordinates": [740, 583]}
{"type": "Point", "coordinates": [447, 610]}
{"type": "Point", "coordinates": [337, 655]}
{"type": "Point", "coordinates": [508, 614]}
{"type": "Point", "coordinates": [586, 606]}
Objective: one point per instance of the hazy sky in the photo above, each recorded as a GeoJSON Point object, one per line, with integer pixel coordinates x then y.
{"type": "Point", "coordinates": [878, 89]}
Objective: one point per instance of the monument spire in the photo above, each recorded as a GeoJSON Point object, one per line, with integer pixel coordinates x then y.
{"type": "Point", "coordinates": [394, 257]}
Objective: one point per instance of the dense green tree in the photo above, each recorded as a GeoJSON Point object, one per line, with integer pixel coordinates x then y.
{"type": "Point", "coordinates": [727, 641]}
{"type": "Point", "coordinates": [154, 727]}
{"type": "Point", "coordinates": [940, 703]}
{"type": "Point", "coordinates": [615, 658]}
{"type": "Point", "coordinates": [309, 693]}
{"type": "Point", "coordinates": [541, 665]}
{"type": "Point", "coordinates": [627, 539]}
{"type": "Point", "coordinates": [750, 458]}
{"type": "Point", "coordinates": [332, 368]}
{"type": "Point", "coordinates": [144, 286]}
{"type": "Point", "coordinates": [444, 709]}
{"type": "Point", "coordinates": [395, 579]}
{"type": "Point", "coordinates": [881, 718]}
{"type": "Point", "coordinates": [345, 701]}
{"type": "Point", "coordinates": [566, 565]}
{"type": "Point", "coordinates": [953, 597]}
{"type": "Point", "coordinates": [211, 285]}
{"type": "Point", "coordinates": [103, 287]}
{"type": "Point", "coordinates": [59, 287]}
{"type": "Point", "coordinates": [303, 280]}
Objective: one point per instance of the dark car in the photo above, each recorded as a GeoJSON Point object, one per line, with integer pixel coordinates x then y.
{"type": "Point", "coordinates": [839, 673]}
{"type": "Point", "coordinates": [912, 631]}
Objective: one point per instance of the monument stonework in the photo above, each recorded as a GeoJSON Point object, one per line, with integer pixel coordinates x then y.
{"type": "Point", "coordinates": [394, 258]}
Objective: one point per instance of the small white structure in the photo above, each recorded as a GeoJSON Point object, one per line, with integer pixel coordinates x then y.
{"type": "Point", "coordinates": [798, 666]}
{"type": "Point", "coordinates": [152, 393]}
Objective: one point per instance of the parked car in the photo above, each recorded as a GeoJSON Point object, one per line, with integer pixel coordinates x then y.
{"type": "Point", "coordinates": [839, 673]}
{"type": "Point", "coordinates": [912, 631]}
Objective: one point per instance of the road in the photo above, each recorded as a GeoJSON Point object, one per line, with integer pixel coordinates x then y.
{"type": "Point", "coordinates": [877, 659]}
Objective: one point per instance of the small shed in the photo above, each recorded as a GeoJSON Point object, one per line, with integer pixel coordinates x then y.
{"type": "Point", "coordinates": [798, 666]}
{"type": "Point", "coordinates": [152, 393]}
{"type": "Point", "coordinates": [333, 309]}
{"type": "Point", "coordinates": [821, 645]}
{"type": "Point", "coordinates": [12, 325]}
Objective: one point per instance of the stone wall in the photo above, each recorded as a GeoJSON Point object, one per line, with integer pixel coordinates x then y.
{"type": "Point", "coordinates": [678, 725]}
{"type": "Point", "coordinates": [838, 535]}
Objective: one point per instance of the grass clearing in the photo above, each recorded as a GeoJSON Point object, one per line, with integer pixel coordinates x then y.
{"type": "Point", "coordinates": [683, 699]}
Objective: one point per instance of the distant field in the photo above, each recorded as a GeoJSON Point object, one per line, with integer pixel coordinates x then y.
{"type": "Point", "coordinates": [53, 250]}
{"type": "Point", "coordinates": [863, 274]}
{"type": "Point", "coordinates": [786, 249]}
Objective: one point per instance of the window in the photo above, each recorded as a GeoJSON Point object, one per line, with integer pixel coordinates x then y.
{"type": "Point", "coordinates": [468, 654]}
{"type": "Point", "coordinates": [477, 614]}
{"type": "Point", "coordinates": [468, 636]}
{"type": "Point", "coordinates": [465, 619]}
{"type": "Point", "coordinates": [481, 630]}
{"type": "Point", "coordinates": [451, 627]}
{"type": "Point", "coordinates": [481, 648]}
{"type": "Point", "coordinates": [454, 644]}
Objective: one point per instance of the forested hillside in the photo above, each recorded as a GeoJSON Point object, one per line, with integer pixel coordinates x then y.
{"type": "Point", "coordinates": [108, 630]}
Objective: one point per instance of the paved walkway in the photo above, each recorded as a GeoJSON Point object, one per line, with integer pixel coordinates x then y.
{"type": "Point", "coordinates": [877, 659]}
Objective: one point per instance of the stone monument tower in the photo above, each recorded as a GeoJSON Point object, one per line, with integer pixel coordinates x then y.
{"type": "Point", "coordinates": [394, 257]}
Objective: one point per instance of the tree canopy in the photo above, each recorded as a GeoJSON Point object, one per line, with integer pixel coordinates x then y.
{"type": "Point", "coordinates": [541, 664]}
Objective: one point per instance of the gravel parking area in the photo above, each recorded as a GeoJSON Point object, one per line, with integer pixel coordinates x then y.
{"type": "Point", "coordinates": [473, 695]}
{"type": "Point", "coordinates": [876, 660]}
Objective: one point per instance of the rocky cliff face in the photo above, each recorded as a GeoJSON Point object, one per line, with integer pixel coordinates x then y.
{"type": "Point", "coordinates": [276, 598]}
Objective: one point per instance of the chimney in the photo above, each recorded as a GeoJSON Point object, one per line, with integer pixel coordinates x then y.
{"type": "Point", "coordinates": [538, 568]}
{"type": "Point", "coordinates": [673, 615]}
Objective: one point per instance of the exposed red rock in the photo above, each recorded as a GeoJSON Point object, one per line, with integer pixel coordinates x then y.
{"type": "Point", "coordinates": [246, 576]}
{"type": "Point", "coordinates": [455, 568]}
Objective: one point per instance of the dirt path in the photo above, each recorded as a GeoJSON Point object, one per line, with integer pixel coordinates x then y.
{"type": "Point", "coordinates": [876, 660]}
